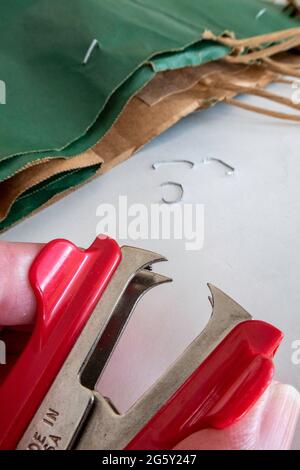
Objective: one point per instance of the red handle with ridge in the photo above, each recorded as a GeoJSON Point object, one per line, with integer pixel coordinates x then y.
{"type": "Point", "coordinates": [223, 388]}
{"type": "Point", "coordinates": [68, 282]}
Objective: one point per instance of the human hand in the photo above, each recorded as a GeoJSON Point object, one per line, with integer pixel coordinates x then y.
{"type": "Point", "coordinates": [269, 425]}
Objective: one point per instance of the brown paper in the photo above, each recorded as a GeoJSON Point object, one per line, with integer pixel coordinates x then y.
{"type": "Point", "coordinates": [169, 97]}
{"type": "Point", "coordinates": [156, 109]}
{"type": "Point", "coordinates": [15, 186]}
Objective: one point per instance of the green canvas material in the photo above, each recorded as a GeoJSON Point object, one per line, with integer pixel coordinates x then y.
{"type": "Point", "coordinates": [52, 98]}
{"type": "Point", "coordinates": [57, 106]}
{"type": "Point", "coordinates": [39, 196]}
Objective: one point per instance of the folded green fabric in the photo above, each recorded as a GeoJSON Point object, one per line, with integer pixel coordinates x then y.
{"type": "Point", "coordinates": [53, 99]}
{"type": "Point", "coordinates": [57, 106]}
{"type": "Point", "coordinates": [199, 54]}
{"type": "Point", "coordinates": [39, 196]}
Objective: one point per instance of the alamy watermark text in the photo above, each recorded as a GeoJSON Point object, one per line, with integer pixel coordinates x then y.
{"type": "Point", "coordinates": [157, 222]}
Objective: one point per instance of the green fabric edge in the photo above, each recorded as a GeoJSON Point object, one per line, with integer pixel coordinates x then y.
{"type": "Point", "coordinates": [199, 54]}
{"type": "Point", "coordinates": [42, 193]}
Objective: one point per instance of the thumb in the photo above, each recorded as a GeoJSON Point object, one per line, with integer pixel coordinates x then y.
{"type": "Point", "coordinates": [17, 300]}
{"type": "Point", "coordinates": [270, 425]}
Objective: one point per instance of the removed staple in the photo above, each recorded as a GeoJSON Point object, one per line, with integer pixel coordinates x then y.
{"type": "Point", "coordinates": [177, 185]}
{"type": "Point", "coordinates": [157, 165]}
{"type": "Point", "coordinates": [230, 169]}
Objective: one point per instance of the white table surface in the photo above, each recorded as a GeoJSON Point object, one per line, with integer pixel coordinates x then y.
{"type": "Point", "coordinates": [251, 248]}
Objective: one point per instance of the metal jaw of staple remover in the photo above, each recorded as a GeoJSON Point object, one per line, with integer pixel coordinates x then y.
{"type": "Point", "coordinates": [85, 299]}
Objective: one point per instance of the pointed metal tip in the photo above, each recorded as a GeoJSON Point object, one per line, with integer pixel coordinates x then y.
{"type": "Point", "coordinates": [212, 290]}
{"type": "Point", "coordinates": [143, 257]}
{"type": "Point", "coordinates": [160, 279]}
{"type": "Point", "coordinates": [224, 305]}
{"type": "Point", "coordinates": [161, 258]}
{"type": "Point", "coordinates": [211, 297]}
{"type": "Point", "coordinates": [155, 279]}
{"type": "Point", "coordinates": [215, 291]}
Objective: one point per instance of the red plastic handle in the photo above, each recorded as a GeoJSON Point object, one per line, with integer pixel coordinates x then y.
{"type": "Point", "coordinates": [68, 283]}
{"type": "Point", "coordinates": [224, 387]}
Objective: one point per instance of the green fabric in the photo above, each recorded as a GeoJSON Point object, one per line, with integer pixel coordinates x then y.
{"type": "Point", "coordinates": [52, 98]}
{"type": "Point", "coordinates": [8, 167]}
{"type": "Point", "coordinates": [197, 54]}
{"type": "Point", "coordinates": [42, 193]}
{"type": "Point", "coordinates": [206, 52]}
{"type": "Point", "coordinates": [56, 106]}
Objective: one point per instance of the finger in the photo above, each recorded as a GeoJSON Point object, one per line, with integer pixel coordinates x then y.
{"type": "Point", "coordinates": [270, 425]}
{"type": "Point", "coordinates": [17, 300]}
